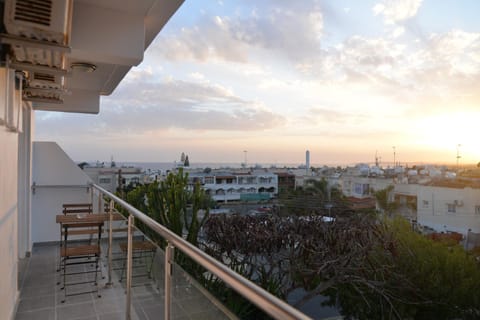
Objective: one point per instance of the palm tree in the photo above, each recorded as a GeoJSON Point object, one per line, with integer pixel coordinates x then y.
{"type": "Point", "coordinates": [317, 197]}
{"type": "Point", "coordinates": [383, 201]}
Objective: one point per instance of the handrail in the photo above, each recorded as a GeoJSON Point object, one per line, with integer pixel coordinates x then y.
{"type": "Point", "coordinates": [60, 186]}
{"type": "Point", "coordinates": [272, 305]}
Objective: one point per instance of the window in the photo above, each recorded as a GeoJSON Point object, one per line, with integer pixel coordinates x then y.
{"type": "Point", "coordinates": [135, 180]}
{"type": "Point", "coordinates": [361, 189]}
{"type": "Point", "coordinates": [425, 203]}
{"type": "Point", "coordinates": [451, 208]}
{"type": "Point", "coordinates": [105, 180]}
{"type": "Point", "coordinates": [357, 188]}
{"type": "Point", "coordinates": [208, 180]}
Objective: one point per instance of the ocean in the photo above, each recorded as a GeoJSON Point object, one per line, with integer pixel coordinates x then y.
{"type": "Point", "coordinates": [155, 166]}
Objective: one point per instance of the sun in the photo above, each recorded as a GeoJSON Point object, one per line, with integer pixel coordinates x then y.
{"type": "Point", "coordinates": [451, 132]}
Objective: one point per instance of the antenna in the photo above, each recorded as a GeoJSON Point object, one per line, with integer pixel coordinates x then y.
{"type": "Point", "coordinates": [394, 154]}
{"type": "Point", "coordinates": [245, 156]}
{"type": "Point", "coordinates": [307, 161]}
{"type": "Point", "coordinates": [458, 154]}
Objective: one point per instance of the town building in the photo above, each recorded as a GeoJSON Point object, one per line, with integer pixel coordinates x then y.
{"type": "Point", "coordinates": [445, 206]}
{"type": "Point", "coordinates": [237, 185]}
{"type": "Point", "coordinates": [112, 177]}
{"type": "Point", "coordinates": [286, 183]}
{"type": "Point", "coordinates": [361, 186]}
{"type": "Point", "coordinates": [430, 197]}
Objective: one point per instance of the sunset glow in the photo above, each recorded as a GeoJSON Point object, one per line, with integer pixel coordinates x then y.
{"type": "Point", "coordinates": [344, 79]}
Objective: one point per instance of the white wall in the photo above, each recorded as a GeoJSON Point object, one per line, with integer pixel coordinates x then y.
{"type": "Point", "coordinates": [58, 180]}
{"type": "Point", "coordinates": [435, 214]}
{"type": "Point", "coordinates": [8, 216]}
{"type": "Point", "coordinates": [348, 184]}
{"type": "Point", "coordinates": [24, 183]}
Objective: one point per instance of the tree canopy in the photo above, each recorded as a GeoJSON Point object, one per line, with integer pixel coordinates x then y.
{"type": "Point", "coordinates": [369, 269]}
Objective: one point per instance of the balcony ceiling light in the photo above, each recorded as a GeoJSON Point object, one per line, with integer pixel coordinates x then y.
{"type": "Point", "coordinates": [83, 67]}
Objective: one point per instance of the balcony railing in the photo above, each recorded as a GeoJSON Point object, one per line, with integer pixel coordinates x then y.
{"type": "Point", "coordinates": [265, 301]}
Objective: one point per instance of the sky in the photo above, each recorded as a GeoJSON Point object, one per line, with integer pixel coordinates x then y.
{"type": "Point", "coordinates": [344, 79]}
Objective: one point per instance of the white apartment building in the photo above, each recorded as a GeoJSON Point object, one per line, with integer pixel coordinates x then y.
{"type": "Point", "coordinates": [444, 206]}
{"type": "Point", "coordinates": [449, 209]}
{"type": "Point", "coordinates": [441, 207]}
{"type": "Point", "coordinates": [225, 186]}
{"type": "Point", "coordinates": [362, 187]}
{"type": "Point", "coordinates": [111, 177]}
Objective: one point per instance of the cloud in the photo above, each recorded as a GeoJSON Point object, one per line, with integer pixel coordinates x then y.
{"type": "Point", "coordinates": [358, 60]}
{"type": "Point", "coordinates": [146, 106]}
{"type": "Point", "coordinates": [361, 52]}
{"type": "Point", "coordinates": [448, 59]}
{"type": "Point", "coordinates": [443, 68]}
{"type": "Point", "coordinates": [291, 30]}
{"type": "Point", "coordinates": [394, 11]}
{"type": "Point", "coordinates": [197, 76]}
{"type": "Point", "coordinates": [319, 114]}
{"type": "Point", "coordinates": [211, 39]}
{"type": "Point", "coordinates": [456, 48]}
{"type": "Point", "coordinates": [398, 31]}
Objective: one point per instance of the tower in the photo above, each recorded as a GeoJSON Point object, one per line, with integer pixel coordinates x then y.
{"type": "Point", "coordinates": [307, 161]}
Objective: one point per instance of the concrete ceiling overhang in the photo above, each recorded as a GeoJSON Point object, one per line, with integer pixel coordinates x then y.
{"type": "Point", "coordinates": [112, 35]}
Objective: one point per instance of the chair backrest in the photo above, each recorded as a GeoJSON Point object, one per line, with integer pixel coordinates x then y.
{"type": "Point", "coordinates": [77, 208]}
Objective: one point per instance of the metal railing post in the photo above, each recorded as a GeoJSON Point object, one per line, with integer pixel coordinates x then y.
{"type": "Point", "coordinates": [99, 203]}
{"type": "Point", "coordinates": [91, 195]}
{"type": "Point", "coordinates": [110, 241]}
{"type": "Point", "coordinates": [131, 221]}
{"type": "Point", "coordinates": [169, 261]}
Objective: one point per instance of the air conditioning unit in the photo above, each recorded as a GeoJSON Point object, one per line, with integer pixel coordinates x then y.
{"type": "Point", "coordinates": [43, 87]}
{"type": "Point", "coordinates": [37, 33]}
{"type": "Point", "coordinates": [458, 203]}
{"type": "Point", "coordinates": [42, 20]}
{"type": "Point", "coordinates": [45, 81]}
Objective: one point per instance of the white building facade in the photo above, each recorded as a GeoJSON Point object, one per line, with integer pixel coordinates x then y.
{"type": "Point", "coordinates": [442, 208]}
{"type": "Point", "coordinates": [236, 186]}
{"type": "Point", "coordinates": [362, 187]}
{"type": "Point", "coordinates": [449, 209]}
{"type": "Point", "coordinates": [111, 178]}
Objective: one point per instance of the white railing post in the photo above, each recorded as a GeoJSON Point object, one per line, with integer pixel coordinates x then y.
{"type": "Point", "coordinates": [91, 195]}
{"type": "Point", "coordinates": [131, 221]}
{"type": "Point", "coordinates": [169, 261]}
{"type": "Point", "coordinates": [100, 209]}
{"type": "Point", "coordinates": [110, 242]}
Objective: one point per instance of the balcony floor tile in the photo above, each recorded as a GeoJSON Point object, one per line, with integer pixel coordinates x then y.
{"type": "Point", "coordinates": [41, 296]}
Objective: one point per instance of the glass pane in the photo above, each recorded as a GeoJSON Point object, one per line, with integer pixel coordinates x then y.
{"type": "Point", "coordinates": [146, 292]}
{"type": "Point", "coordinates": [191, 300]}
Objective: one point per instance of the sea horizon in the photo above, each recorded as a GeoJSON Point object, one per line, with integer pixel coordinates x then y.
{"type": "Point", "coordinates": [154, 166]}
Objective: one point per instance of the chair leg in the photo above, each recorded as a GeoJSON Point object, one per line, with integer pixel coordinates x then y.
{"type": "Point", "coordinates": [64, 288]}
{"type": "Point", "coordinates": [123, 269]}
{"type": "Point", "coordinates": [97, 267]}
{"type": "Point", "coordinates": [60, 268]}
